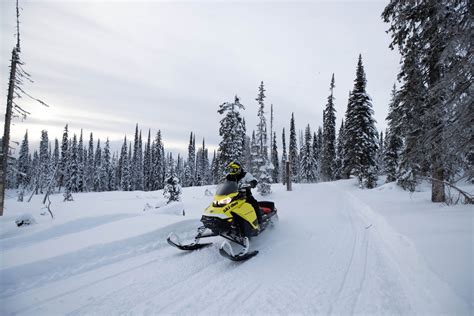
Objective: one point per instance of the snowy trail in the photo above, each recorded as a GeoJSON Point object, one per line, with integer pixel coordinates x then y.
{"type": "Point", "coordinates": [329, 254]}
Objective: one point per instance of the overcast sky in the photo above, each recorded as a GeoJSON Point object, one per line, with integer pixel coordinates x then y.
{"type": "Point", "coordinates": [106, 65]}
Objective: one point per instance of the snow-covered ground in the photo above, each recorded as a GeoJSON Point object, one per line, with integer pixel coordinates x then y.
{"type": "Point", "coordinates": [336, 250]}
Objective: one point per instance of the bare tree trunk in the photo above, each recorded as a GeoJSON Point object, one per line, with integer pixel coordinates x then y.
{"type": "Point", "coordinates": [288, 176]}
{"type": "Point", "coordinates": [6, 133]}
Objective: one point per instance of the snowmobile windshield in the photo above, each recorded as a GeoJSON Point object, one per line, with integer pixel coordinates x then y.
{"type": "Point", "coordinates": [227, 187]}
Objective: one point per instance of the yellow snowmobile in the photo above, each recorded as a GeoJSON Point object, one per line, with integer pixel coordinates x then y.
{"type": "Point", "coordinates": [231, 217]}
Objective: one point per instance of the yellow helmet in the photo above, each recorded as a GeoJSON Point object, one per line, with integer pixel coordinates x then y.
{"type": "Point", "coordinates": [233, 168]}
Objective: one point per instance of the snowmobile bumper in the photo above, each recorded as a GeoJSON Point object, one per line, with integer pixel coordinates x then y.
{"type": "Point", "coordinates": [215, 224]}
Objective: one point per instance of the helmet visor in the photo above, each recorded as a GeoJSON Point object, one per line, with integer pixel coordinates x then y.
{"type": "Point", "coordinates": [232, 170]}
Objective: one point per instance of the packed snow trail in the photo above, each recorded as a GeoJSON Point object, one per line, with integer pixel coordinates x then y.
{"type": "Point", "coordinates": [329, 254]}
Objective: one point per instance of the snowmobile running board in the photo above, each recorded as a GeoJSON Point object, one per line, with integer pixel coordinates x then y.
{"type": "Point", "coordinates": [192, 246]}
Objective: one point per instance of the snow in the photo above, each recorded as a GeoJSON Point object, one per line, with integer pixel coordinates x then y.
{"type": "Point", "coordinates": [335, 250]}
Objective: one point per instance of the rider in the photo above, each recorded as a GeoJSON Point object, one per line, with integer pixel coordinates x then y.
{"type": "Point", "coordinates": [245, 180]}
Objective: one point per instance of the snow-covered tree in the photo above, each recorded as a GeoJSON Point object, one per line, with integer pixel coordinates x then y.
{"type": "Point", "coordinates": [63, 172]}
{"type": "Point", "coordinates": [293, 151]}
{"type": "Point", "coordinates": [232, 131]}
{"type": "Point", "coordinates": [265, 179]}
{"type": "Point", "coordinates": [147, 165]}
{"type": "Point", "coordinates": [125, 181]}
{"type": "Point", "coordinates": [158, 162]}
{"type": "Point", "coordinates": [23, 166]}
{"type": "Point", "coordinates": [307, 160]}
{"type": "Point", "coordinates": [172, 190]}
{"type": "Point", "coordinates": [360, 133]}
{"type": "Point", "coordinates": [394, 142]}
{"type": "Point", "coordinates": [339, 152]}
{"type": "Point", "coordinates": [275, 161]}
{"type": "Point", "coordinates": [328, 146]}
{"type": "Point", "coordinates": [105, 168]}
{"type": "Point", "coordinates": [261, 135]}
{"type": "Point", "coordinates": [44, 172]}
{"type": "Point", "coordinates": [190, 171]}
{"type": "Point", "coordinates": [80, 165]}
{"type": "Point", "coordinates": [90, 165]}
{"type": "Point", "coordinates": [434, 39]}
{"type": "Point", "coordinates": [284, 157]}
{"type": "Point", "coordinates": [73, 179]}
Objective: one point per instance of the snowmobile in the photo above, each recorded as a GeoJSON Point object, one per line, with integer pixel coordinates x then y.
{"type": "Point", "coordinates": [233, 218]}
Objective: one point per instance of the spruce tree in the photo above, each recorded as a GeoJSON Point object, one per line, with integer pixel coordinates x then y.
{"type": "Point", "coordinates": [63, 178]}
{"type": "Point", "coordinates": [97, 168]}
{"type": "Point", "coordinates": [293, 151]}
{"type": "Point", "coordinates": [190, 171]}
{"type": "Point", "coordinates": [328, 156]}
{"type": "Point", "coordinates": [275, 161]}
{"type": "Point", "coordinates": [23, 167]}
{"type": "Point", "coordinates": [73, 178]}
{"type": "Point", "coordinates": [80, 164]}
{"type": "Point", "coordinates": [43, 162]}
{"type": "Point", "coordinates": [434, 39]}
{"type": "Point", "coordinates": [361, 134]}
{"type": "Point", "coordinates": [106, 168]}
{"type": "Point", "coordinates": [232, 131]}
{"type": "Point", "coordinates": [90, 165]}
{"type": "Point", "coordinates": [339, 152]}
{"type": "Point", "coordinates": [158, 162]}
{"type": "Point", "coordinates": [284, 158]}
{"type": "Point", "coordinates": [147, 164]}
{"type": "Point", "coordinates": [394, 141]}
{"type": "Point", "coordinates": [307, 161]}
{"type": "Point", "coordinates": [261, 134]}
{"type": "Point", "coordinates": [125, 167]}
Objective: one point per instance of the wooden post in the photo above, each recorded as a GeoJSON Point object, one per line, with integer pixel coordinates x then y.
{"type": "Point", "coordinates": [288, 176]}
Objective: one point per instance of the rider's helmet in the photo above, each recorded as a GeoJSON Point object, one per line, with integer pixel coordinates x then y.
{"type": "Point", "coordinates": [233, 168]}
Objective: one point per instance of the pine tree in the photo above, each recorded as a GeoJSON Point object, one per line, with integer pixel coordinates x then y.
{"type": "Point", "coordinates": [63, 178]}
{"type": "Point", "coordinates": [339, 152]}
{"type": "Point", "coordinates": [284, 157]}
{"type": "Point", "coordinates": [172, 190]}
{"type": "Point", "coordinates": [316, 154]}
{"type": "Point", "coordinates": [97, 167]}
{"type": "Point", "coordinates": [147, 164]}
{"type": "Point", "coordinates": [232, 131]}
{"type": "Point", "coordinates": [293, 151]}
{"type": "Point", "coordinates": [106, 168]}
{"type": "Point", "coordinates": [328, 156]}
{"type": "Point", "coordinates": [190, 171]}
{"type": "Point", "coordinates": [56, 160]}
{"type": "Point", "coordinates": [254, 155]}
{"type": "Point", "coordinates": [394, 142]}
{"type": "Point", "coordinates": [139, 166]}
{"type": "Point", "coordinates": [158, 162]}
{"type": "Point", "coordinates": [124, 167]}
{"type": "Point", "coordinates": [261, 135]}
{"type": "Point", "coordinates": [80, 164]}
{"type": "Point", "coordinates": [73, 179]}
{"type": "Point", "coordinates": [380, 154]}
{"type": "Point", "coordinates": [90, 165]}
{"type": "Point", "coordinates": [307, 161]}
{"type": "Point", "coordinates": [215, 169]}
{"type": "Point", "coordinates": [43, 162]}
{"type": "Point", "coordinates": [361, 134]}
{"type": "Point", "coordinates": [434, 39]}
{"type": "Point", "coordinates": [275, 161]}
{"type": "Point", "coordinates": [23, 174]}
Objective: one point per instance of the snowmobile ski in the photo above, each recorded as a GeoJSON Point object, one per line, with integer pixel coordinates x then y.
{"type": "Point", "coordinates": [227, 251]}
{"type": "Point", "coordinates": [192, 246]}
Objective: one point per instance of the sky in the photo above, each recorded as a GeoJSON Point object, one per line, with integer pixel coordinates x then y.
{"type": "Point", "coordinates": [105, 66]}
